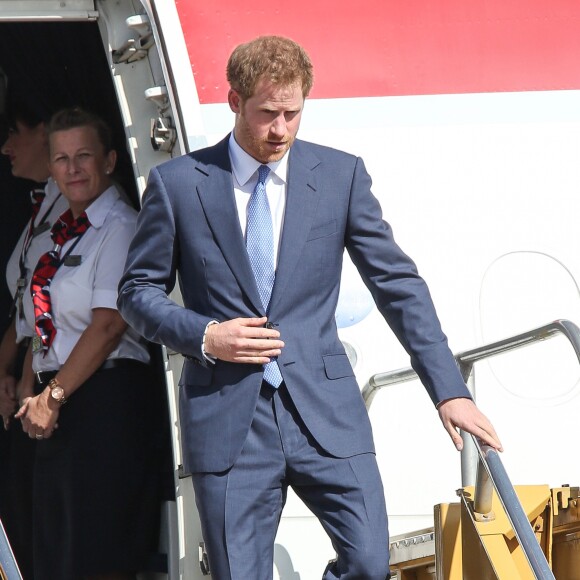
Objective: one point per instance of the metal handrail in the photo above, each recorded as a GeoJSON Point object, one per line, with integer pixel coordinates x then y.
{"type": "Point", "coordinates": [491, 471]}
{"type": "Point", "coordinates": [498, 477]}
{"type": "Point", "coordinates": [465, 361]}
{"type": "Point", "coordinates": [8, 566]}
{"type": "Point", "coordinates": [468, 358]}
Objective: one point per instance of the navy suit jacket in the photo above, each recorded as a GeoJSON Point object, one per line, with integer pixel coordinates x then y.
{"type": "Point", "coordinates": [189, 229]}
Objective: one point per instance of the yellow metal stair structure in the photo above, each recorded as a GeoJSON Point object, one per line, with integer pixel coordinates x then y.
{"type": "Point", "coordinates": [465, 545]}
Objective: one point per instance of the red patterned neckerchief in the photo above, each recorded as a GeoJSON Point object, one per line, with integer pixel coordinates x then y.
{"type": "Point", "coordinates": [64, 229]}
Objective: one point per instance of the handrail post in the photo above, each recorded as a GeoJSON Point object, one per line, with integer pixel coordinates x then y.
{"type": "Point", "coordinates": [469, 457]}
{"type": "Point", "coordinates": [483, 491]}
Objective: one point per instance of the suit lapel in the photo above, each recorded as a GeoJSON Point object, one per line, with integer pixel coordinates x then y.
{"type": "Point", "coordinates": [301, 202]}
{"type": "Point", "coordinates": [217, 198]}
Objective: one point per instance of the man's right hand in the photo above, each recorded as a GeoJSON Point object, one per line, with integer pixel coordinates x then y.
{"type": "Point", "coordinates": [243, 340]}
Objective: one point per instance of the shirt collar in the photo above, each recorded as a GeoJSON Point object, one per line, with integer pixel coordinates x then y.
{"type": "Point", "coordinates": [244, 166]}
{"type": "Point", "coordinates": [100, 208]}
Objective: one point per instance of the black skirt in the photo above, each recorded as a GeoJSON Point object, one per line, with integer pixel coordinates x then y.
{"type": "Point", "coordinates": [16, 472]}
{"type": "Point", "coordinates": [98, 479]}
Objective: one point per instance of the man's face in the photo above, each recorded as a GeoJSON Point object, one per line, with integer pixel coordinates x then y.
{"type": "Point", "coordinates": [267, 122]}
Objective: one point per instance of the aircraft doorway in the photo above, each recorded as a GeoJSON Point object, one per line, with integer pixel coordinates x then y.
{"type": "Point", "coordinates": [52, 65]}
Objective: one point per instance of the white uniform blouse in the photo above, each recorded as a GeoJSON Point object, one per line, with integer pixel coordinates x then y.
{"type": "Point", "coordinates": [53, 205]}
{"type": "Point", "coordinates": [89, 279]}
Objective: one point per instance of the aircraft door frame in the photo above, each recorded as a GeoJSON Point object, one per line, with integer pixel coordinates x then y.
{"type": "Point", "coordinates": [48, 10]}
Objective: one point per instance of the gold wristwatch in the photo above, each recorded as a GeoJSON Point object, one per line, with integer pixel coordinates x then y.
{"type": "Point", "coordinates": [56, 391]}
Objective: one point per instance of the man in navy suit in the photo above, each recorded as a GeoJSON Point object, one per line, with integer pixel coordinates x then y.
{"type": "Point", "coordinates": [246, 437]}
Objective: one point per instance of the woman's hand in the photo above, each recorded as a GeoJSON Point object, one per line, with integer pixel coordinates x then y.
{"type": "Point", "coordinates": [8, 355]}
{"type": "Point", "coordinates": [8, 399]}
{"type": "Point", "coordinates": [39, 415]}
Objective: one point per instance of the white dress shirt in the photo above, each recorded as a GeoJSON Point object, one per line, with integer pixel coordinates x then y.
{"type": "Point", "coordinates": [90, 281]}
{"type": "Point", "coordinates": [53, 205]}
{"type": "Point", "coordinates": [245, 176]}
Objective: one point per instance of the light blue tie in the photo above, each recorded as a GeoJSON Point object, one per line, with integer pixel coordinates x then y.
{"type": "Point", "coordinates": [260, 247]}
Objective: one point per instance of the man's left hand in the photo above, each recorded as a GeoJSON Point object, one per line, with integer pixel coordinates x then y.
{"type": "Point", "coordinates": [463, 414]}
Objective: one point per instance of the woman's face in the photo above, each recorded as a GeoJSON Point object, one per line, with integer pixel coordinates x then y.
{"type": "Point", "coordinates": [80, 166]}
{"type": "Point", "coordinates": [27, 149]}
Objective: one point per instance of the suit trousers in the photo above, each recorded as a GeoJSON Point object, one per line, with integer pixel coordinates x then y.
{"type": "Point", "coordinates": [240, 509]}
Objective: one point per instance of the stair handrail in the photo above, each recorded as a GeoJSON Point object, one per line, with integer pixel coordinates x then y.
{"type": "Point", "coordinates": [466, 359]}
{"type": "Point", "coordinates": [8, 567]}
{"type": "Point", "coordinates": [491, 470]}
{"type": "Point", "coordinates": [490, 461]}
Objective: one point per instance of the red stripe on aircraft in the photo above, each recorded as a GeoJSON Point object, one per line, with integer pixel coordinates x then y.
{"type": "Point", "coordinates": [397, 47]}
